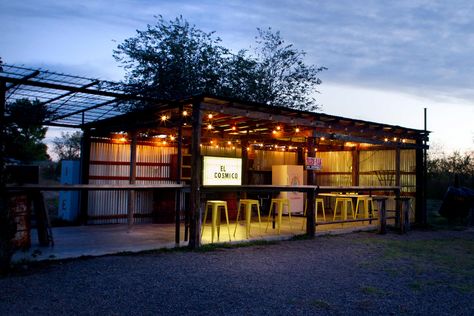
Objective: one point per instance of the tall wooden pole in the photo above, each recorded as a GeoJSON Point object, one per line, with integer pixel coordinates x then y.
{"type": "Point", "coordinates": [195, 196]}
{"type": "Point", "coordinates": [84, 169]}
{"type": "Point", "coordinates": [132, 177]}
{"type": "Point", "coordinates": [311, 198]}
{"type": "Point", "coordinates": [355, 166]}
{"type": "Point", "coordinates": [178, 179]}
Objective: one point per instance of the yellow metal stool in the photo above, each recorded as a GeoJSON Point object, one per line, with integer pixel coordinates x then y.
{"type": "Point", "coordinates": [365, 201]}
{"type": "Point", "coordinates": [277, 206]}
{"type": "Point", "coordinates": [344, 202]}
{"type": "Point", "coordinates": [247, 203]}
{"type": "Point", "coordinates": [216, 217]}
{"type": "Point", "coordinates": [316, 202]}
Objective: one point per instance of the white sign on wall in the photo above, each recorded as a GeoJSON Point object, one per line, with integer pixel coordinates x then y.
{"type": "Point", "coordinates": [221, 171]}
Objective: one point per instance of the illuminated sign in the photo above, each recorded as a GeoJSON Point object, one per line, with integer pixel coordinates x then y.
{"type": "Point", "coordinates": [221, 171]}
{"type": "Point", "coordinates": [313, 163]}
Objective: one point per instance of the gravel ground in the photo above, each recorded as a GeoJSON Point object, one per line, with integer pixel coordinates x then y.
{"type": "Point", "coordinates": [355, 274]}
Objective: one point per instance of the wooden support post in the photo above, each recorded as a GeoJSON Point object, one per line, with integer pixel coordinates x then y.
{"type": "Point", "coordinates": [404, 214]}
{"type": "Point", "coordinates": [84, 170]}
{"type": "Point", "coordinates": [132, 176]}
{"type": "Point", "coordinates": [419, 199]}
{"type": "Point", "coordinates": [245, 164]}
{"type": "Point", "coordinates": [355, 167]}
{"type": "Point", "coordinates": [311, 195]}
{"type": "Point", "coordinates": [195, 220]}
{"type": "Point", "coordinates": [177, 204]}
{"type": "Point", "coordinates": [382, 226]}
{"type": "Point", "coordinates": [3, 95]}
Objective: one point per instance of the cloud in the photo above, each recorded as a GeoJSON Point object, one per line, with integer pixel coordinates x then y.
{"type": "Point", "coordinates": [408, 45]}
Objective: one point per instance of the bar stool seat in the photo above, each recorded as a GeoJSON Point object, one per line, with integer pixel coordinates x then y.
{"type": "Point", "coordinates": [365, 201]}
{"type": "Point", "coordinates": [317, 201]}
{"type": "Point", "coordinates": [247, 203]}
{"type": "Point", "coordinates": [215, 217]}
{"type": "Point", "coordinates": [344, 203]}
{"type": "Point", "coordinates": [277, 205]}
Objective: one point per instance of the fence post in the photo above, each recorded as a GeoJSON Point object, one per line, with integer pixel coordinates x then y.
{"type": "Point", "coordinates": [404, 214]}
{"type": "Point", "coordinates": [382, 225]}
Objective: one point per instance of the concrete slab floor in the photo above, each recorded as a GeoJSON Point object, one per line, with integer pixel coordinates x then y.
{"type": "Point", "coordinates": [98, 240]}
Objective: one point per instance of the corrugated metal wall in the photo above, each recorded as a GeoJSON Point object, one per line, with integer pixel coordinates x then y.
{"type": "Point", "coordinates": [110, 165]}
{"type": "Point", "coordinates": [264, 160]}
{"type": "Point", "coordinates": [336, 168]}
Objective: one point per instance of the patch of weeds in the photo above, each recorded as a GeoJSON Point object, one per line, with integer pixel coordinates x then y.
{"type": "Point", "coordinates": [416, 285]}
{"type": "Point", "coordinates": [221, 246]}
{"type": "Point", "coordinates": [301, 237]}
{"type": "Point", "coordinates": [393, 272]}
{"type": "Point", "coordinates": [372, 290]}
{"type": "Point", "coordinates": [320, 304]}
{"type": "Point", "coordinates": [463, 287]}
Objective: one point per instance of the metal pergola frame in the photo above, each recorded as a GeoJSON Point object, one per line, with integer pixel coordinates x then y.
{"type": "Point", "coordinates": [97, 107]}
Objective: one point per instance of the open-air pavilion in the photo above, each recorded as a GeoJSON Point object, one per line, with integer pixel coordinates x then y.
{"type": "Point", "coordinates": [143, 160]}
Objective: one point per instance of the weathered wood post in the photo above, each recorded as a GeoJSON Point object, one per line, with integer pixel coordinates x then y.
{"type": "Point", "coordinates": [404, 212]}
{"type": "Point", "coordinates": [178, 179]}
{"type": "Point", "coordinates": [382, 225]}
{"type": "Point", "coordinates": [311, 195]}
{"type": "Point", "coordinates": [195, 196]}
{"type": "Point", "coordinates": [84, 171]}
{"type": "Point", "coordinates": [132, 177]}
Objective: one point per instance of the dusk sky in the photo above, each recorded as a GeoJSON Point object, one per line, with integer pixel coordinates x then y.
{"type": "Point", "coordinates": [386, 60]}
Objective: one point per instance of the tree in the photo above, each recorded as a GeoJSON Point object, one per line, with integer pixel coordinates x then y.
{"type": "Point", "coordinates": [24, 132]}
{"type": "Point", "coordinates": [283, 77]}
{"type": "Point", "coordinates": [68, 146]}
{"type": "Point", "coordinates": [174, 59]}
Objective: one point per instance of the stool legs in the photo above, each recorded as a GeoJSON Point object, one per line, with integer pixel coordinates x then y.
{"type": "Point", "coordinates": [216, 219]}
{"type": "Point", "coordinates": [344, 203]}
{"type": "Point", "coordinates": [248, 215]}
{"type": "Point", "coordinates": [277, 205]}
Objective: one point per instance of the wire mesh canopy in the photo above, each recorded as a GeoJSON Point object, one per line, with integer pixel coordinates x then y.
{"type": "Point", "coordinates": [72, 101]}
{"type": "Point", "coordinates": [80, 102]}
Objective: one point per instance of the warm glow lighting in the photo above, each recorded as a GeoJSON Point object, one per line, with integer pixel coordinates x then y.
{"type": "Point", "coordinates": [274, 132]}
{"type": "Point", "coordinates": [212, 141]}
{"type": "Point", "coordinates": [403, 140]}
{"type": "Point", "coordinates": [122, 139]}
{"type": "Point", "coordinates": [248, 148]}
{"type": "Point", "coordinates": [394, 139]}
{"type": "Point", "coordinates": [233, 147]}
{"type": "Point", "coordinates": [209, 126]}
{"type": "Point", "coordinates": [234, 128]}
{"type": "Point", "coordinates": [184, 124]}
{"type": "Point", "coordinates": [278, 127]}
{"type": "Point", "coordinates": [322, 138]}
{"type": "Point", "coordinates": [185, 113]}
{"type": "Point", "coordinates": [315, 149]}
{"type": "Point", "coordinates": [164, 142]}
{"type": "Point", "coordinates": [210, 116]}
{"type": "Point", "coordinates": [386, 139]}
{"type": "Point", "coordinates": [297, 130]}
{"type": "Point", "coordinates": [229, 143]}
{"type": "Point", "coordinates": [172, 137]}
{"type": "Point", "coordinates": [164, 118]}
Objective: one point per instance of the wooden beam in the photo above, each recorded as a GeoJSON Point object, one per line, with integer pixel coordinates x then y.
{"type": "Point", "coordinates": [261, 115]}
